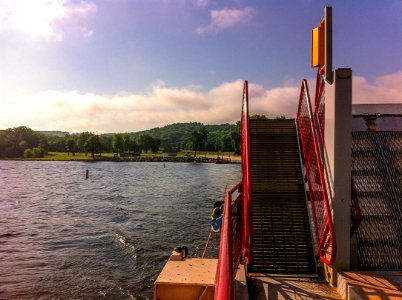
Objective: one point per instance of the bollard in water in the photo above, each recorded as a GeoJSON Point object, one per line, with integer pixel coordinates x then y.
{"type": "Point", "coordinates": [87, 174]}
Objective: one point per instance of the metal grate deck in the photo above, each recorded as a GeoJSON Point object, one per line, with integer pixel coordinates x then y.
{"type": "Point", "coordinates": [281, 232]}
{"type": "Point", "coordinates": [377, 175]}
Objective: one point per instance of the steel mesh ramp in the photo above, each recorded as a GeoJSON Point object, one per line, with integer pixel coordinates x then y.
{"type": "Point", "coordinates": [377, 176]}
{"type": "Point", "coordinates": [281, 233]}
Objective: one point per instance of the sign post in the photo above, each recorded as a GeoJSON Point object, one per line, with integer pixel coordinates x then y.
{"type": "Point", "coordinates": [321, 46]}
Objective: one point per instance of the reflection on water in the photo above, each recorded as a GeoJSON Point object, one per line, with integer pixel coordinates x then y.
{"type": "Point", "coordinates": [62, 236]}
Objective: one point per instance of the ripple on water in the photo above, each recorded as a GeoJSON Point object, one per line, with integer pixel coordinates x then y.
{"type": "Point", "coordinates": [62, 236]}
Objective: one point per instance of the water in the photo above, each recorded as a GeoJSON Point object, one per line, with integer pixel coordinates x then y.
{"type": "Point", "coordinates": [65, 237]}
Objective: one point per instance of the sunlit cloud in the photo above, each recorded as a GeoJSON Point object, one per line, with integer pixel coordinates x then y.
{"type": "Point", "coordinates": [76, 112]}
{"type": "Point", "coordinates": [40, 18]}
{"type": "Point", "coordinates": [163, 105]}
{"type": "Point", "coordinates": [384, 89]}
{"type": "Point", "coordinates": [226, 18]}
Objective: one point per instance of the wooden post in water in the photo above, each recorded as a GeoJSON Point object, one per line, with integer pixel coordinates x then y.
{"type": "Point", "coordinates": [87, 174]}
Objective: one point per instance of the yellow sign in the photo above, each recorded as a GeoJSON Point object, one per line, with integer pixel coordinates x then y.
{"type": "Point", "coordinates": [318, 46]}
{"type": "Point", "coordinates": [321, 46]}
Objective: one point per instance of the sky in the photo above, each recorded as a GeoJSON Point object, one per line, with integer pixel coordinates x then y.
{"type": "Point", "coordinates": [131, 65]}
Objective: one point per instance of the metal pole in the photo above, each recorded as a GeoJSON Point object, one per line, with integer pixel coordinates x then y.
{"type": "Point", "coordinates": [329, 75]}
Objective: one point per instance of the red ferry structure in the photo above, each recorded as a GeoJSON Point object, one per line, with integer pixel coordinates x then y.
{"type": "Point", "coordinates": [318, 212]}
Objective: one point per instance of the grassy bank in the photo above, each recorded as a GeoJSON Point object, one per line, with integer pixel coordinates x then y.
{"type": "Point", "coordinates": [182, 156]}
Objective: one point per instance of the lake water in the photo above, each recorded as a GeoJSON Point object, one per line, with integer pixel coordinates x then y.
{"type": "Point", "coordinates": [67, 237]}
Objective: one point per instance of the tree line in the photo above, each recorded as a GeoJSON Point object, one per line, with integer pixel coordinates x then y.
{"type": "Point", "coordinates": [25, 142]}
{"type": "Point", "coordinates": [178, 136]}
{"type": "Point", "coordinates": [94, 144]}
{"type": "Point", "coordinates": [22, 141]}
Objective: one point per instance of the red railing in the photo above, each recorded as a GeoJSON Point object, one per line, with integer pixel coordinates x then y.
{"type": "Point", "coordinates": [356, 212]}
{"type": "Point", "coordinates": [319, 104]}
{"type": "Point", "coordinates": [235, 240]}
{"type": "Point", "coordinates": [309, 135]}
{"type": "Point", "coordinates": [246, 171]}
{"type": "Point", "coordinates": [230, 249]}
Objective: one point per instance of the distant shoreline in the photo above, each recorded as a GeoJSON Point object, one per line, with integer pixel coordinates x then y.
{"type": "Point", "coordinates": [181, 159]}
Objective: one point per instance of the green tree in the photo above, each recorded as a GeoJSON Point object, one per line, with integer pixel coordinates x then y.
{"type": "Point", "coordinates": [57, 143]}
{"type": "Point", "coordinates": [226, 143]}
{"type": "Point", "coordinates": [155, 143]}
{"type": "Point", "coordinates": [214, 142]}
{"type": "Point", "coordinates": [34, 152]}
{"type": "Point", "coordinates": [23, 145]}
{"type": "Point", "coordinates": [14, 141]}
{"type": "Point", "coordinates": [107, 142]}
{"type": "Point", "coordinates": [131, 144]}
{"type": "Point", "coordinates": [37, 152]}
{"type": "Point", "coordinates": [235, 139]}
{"type": "Point", "coordinates": [204, 133]}
{"type": "Point", "coordinates": [28, 153]}
{"type": "Point", "coordinates": [70, 146]}
{"type": "Point", "coordinates": [195, 142]}
{"type": "Point", "coordinates": [83, 137]}
{"type": "Point", "coordinates": [198, 139]}
{"type": "Point", "coordinates": [258, 117]}
{"type": "Point", "coordinates": [117, 142]}
{"type": "Point", "coordinates": [43, 143]}
{"type": "Point", "coordinates": [126, 142]}
{"type": "Point", "coordinates": [144, 142]}
{"type": "Point", "coordinates": [93, 145]}
{"type": "Point", "coordinates": [235, 135]}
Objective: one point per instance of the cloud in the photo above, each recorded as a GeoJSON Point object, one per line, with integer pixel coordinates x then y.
{"type": "Point", "coordinates": [76, 112]}
{"type": "Point", "coordinates": [225, 18]}
{"type": "Point", "coordinates": [384, 89]}
{"type": "Point", "coordinates": [40, 18]}
{"type": "Point", "coordinates": [162, 105]}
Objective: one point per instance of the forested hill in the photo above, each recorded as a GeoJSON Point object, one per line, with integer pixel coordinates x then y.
{"type": "Point", "coordinates": [53, 133]}
{"type": "Point", "coordinates": [23, 141]}
{"type": "Point", "coordinates": [177, 135]}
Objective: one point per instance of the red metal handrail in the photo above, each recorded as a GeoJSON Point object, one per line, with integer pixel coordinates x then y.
{"type": "Point", "coordinates": [245, 156]}
{"type": "Point", "coordinates": [323, 226]}
{"type": "Point", "coordinates": [356, 212]}
{"type": "Point", "coordinates": [237, 219]}
{"type": "Point", "coordinates": [319, 104]}
{"type": "Point", "coordinates": [230, 248]}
